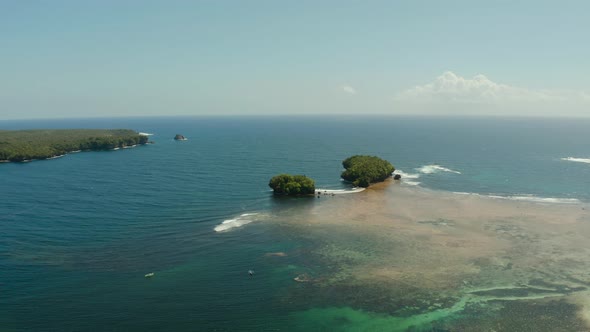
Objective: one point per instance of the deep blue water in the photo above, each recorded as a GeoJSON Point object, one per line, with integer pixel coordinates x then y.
{"type": "Point", "coordinates": [78, 233]}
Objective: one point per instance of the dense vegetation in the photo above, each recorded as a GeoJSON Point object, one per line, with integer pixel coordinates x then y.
{"type": "Point", "coordinates": [294, 185]}
{"type": "Point", "coordinates": [364, 170]}
{"type": "Point", "coordinates": [20, 145]}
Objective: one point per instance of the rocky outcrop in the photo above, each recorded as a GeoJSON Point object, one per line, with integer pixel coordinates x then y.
{"type": "Point", "coordinates": [179, 137]}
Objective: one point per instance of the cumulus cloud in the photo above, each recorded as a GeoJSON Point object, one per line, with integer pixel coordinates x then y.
{"type": "Point", "coordinates": [450, 87]}
{"type": "Point", "coordinates": [348, 89]}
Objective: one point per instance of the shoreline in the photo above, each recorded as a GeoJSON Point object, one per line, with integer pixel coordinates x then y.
{"type": "Point", "coordinates": [5, 161]}
{"type": "Point", "coordinates": [333, 192]}
{"type": "Point", "coordinates": [25, 145]}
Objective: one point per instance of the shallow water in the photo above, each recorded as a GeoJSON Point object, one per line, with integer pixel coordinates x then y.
{"type": "Point", "coordinates": [408, 258]}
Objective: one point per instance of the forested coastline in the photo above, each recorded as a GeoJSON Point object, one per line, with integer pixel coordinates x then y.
{"type": "Point", "coordinates": [24, 145]}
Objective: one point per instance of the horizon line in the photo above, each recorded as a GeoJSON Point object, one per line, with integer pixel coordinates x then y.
{"type": "Point", "coordinates": [293, 115]}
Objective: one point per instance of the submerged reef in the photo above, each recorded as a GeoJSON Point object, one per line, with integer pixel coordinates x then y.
{"type": "Point", "coordinates": [382, 261]}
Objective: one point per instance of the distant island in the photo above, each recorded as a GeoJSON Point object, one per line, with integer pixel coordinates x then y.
{"type": "Point", "coordinates": [362, 171]}
{"type": "Point", "coordinates": [25, 145]}
{"type": "Point", "coordinates": [179, 137]}
{"type": "Point", "coordinates": [292, 185]}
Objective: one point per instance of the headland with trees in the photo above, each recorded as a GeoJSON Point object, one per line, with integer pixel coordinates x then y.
{"type": "Point", "coordinates": [25, 145]}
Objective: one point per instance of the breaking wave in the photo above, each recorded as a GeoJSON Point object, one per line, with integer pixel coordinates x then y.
{"type": "Point", "coordinates": [577, 160]}
{"type": "Point", "coordinates": [239, 221]}
{"type": "Point", "coordinates": [412, 183]}
{"type": "Point", "coordinates": [430, 169]}
{"type": "Point", "coordinates": [527, 198]}
{"type": "Point", "coordinates": [405, 176]}
{"type": "Point", "coordinates": [55, 157]}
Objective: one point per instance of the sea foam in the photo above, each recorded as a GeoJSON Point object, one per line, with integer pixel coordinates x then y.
{"type": "Point", "coordinates": [536, 199]}
{"type": "Point", "coordinates": [577, 160]}
{"type": "Point", "coordinates": [412, 183]}
{"type": "Point", "coordinates": [430, 169]}
{"type": "Point", "coordinates": [405, 176]}
{"type": "Point", "coordinates": [239, 221]}
{"type": "Point", "coordinates": [527, 198]}
{"type": "Point", "coordinates": [339, 191]}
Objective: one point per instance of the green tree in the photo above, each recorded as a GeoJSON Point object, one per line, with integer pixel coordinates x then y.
{"type": "Point", "coordinates": [362, 170]}
{"type": "Point", "coordinates": [294, 185]}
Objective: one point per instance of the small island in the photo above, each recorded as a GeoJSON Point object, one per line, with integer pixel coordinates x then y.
{"type": "Point", "coordinates": [362, 171]}
{"type": "Point", "coordinates": [179, 137]}
{"type": "Point", "coordinates": [292, 185]}
{"type": "Point", "coordinates": [26, 145]}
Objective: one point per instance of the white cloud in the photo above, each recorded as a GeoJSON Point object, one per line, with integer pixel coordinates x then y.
{"type": "Point", "coordinates": [451, 88]}
{"type": "Point", "coordinates": [348, 89]}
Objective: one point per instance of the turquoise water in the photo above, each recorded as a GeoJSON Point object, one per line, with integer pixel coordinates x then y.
{"type": "Point", "coordinates": [78, 233]}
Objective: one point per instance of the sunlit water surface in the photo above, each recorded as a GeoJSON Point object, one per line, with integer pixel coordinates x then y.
{"type": "Point", "coordinates": [486, 231]}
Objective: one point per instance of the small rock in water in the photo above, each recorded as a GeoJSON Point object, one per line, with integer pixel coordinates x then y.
{"type": "Point", "coordinates": [179, 137]}
{"type": "Point", "coordinates": [302, 278]}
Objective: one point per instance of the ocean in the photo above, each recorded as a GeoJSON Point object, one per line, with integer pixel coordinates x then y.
{"type": "Point", "coordinates": [485, 231]}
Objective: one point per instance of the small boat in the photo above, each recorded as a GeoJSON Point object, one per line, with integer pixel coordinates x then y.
{"type": "Point", "coordinates": [149, 275]}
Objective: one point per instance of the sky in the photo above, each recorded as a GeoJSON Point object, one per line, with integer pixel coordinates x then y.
{"type": "Point", "coordinates": [215, 57]}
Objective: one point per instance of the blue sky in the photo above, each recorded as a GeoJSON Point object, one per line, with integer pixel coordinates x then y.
{"type": "Point", "coordinates": [127, 58]}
